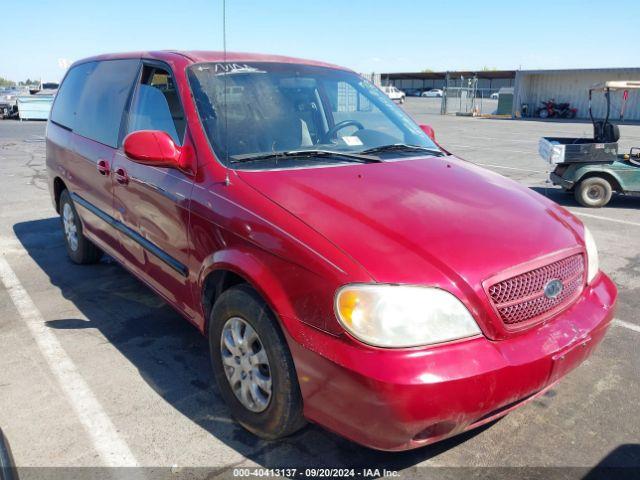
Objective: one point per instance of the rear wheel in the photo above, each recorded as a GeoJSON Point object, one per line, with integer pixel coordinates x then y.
{"type": "Point", "coordinates": [594, 192]}
{"type": "Point", "coordinates": [79, 248]}
{"type": "Point", "coordinates": [253, 366]}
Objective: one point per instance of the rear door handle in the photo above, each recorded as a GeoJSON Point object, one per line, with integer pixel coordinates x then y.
{"type": "Point", "coordinates": [103, 167]}
{"type": "Point", "coordinates": [121, 176]}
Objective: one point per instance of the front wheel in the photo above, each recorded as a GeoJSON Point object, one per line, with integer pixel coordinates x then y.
{"type": "Point", "coordinates": [544, 113]}
{"type": "Point", "coordinates": [594, 192]}
{"type": "Point", "coordinates": [79, 248]}
{"type": "Point", "coordinates": [253, 366]}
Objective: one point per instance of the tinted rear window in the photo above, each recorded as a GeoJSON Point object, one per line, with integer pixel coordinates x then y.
{"type": "Point", "coordinates": [68, 96]}
{"type": "Point", "coordinates": [103, 99]}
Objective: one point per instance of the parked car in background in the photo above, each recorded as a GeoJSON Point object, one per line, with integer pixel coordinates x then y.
{"type": "Point", "coordinates": [9, 102]}
{"type": "Point", "coordinates": [412, 92]}
{"type": "Point", "coordinates": [434, 92]}
{"type": "Point", "coordinates": [394, 94]}
{"type": "Point", "coordinates": [345, 269]}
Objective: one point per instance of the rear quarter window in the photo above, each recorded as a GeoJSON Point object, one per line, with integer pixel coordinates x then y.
{"type": "Point", "coordinates": [68, 96]}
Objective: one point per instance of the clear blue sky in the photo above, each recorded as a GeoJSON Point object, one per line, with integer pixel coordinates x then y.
{"type": "Point", "coordinates": [373, 35]}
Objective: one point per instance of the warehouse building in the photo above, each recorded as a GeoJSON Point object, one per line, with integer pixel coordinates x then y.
{"type": "Point", "coordinates": [535, 86]}
{"type": "Point", "coordinates": [489, 81]}
{"type": "Point", "coordinates": [532, 87]}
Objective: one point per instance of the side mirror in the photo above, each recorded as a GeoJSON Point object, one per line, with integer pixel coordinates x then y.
{"type": "Point", "coordinates": [429, 131]}
{"type": "Point", "coordinates": [154, 147]}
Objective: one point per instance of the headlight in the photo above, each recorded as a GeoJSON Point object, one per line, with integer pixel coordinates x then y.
{"type": "Point", "coordinates": [592, 255]}
{"type": "Point", "coordinates": [403, 316]}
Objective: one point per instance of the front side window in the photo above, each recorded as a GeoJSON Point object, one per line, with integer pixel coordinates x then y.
{"type": "Point", "coordinates": [253, 110]}
{"type": "Point", "coordinates": [156, 105]}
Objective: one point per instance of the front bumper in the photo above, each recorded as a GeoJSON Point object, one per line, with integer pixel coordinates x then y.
{"type": "Point", "coordinates": [558, 180]}
{"type": "Point", "coordinates": [402, 399]}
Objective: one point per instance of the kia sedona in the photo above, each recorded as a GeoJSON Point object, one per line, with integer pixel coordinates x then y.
{"type": "Point", "coordinates": [345, 268]}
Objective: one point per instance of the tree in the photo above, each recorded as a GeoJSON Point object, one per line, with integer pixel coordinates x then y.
{"type": "Point", "coordinates": [6, 83]}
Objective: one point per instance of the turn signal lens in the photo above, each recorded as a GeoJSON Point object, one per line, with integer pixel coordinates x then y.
{"type": "Point", "coordinates": [593, 263]}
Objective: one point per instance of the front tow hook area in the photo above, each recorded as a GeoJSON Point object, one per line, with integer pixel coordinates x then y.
{"type": "Point", "coordinates": [570, 357]}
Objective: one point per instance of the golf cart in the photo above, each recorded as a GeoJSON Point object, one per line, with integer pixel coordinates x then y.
{"type": "Point", "coordinates": [592, 168]}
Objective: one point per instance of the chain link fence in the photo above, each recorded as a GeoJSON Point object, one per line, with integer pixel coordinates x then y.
{"type": "Point", "coordinates": [462, 96]}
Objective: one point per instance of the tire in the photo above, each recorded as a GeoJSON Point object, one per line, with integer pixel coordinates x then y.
{"type": "Point", "coordinates": [81, 250]}
{"type": "Point", "coordinates": [281, 414]}
{"type": "Point", "coordinates": [544, 113]}
{"type": "Point", "coordinates": [594, 192]}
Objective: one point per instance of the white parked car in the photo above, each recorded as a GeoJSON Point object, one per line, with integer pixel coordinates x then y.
{"type": "Point", "coordinates": [434, 92]}
{"type": "Point", "coordinates": [494, 96]}
{"type": "Point", "coordinates": [394, 94]}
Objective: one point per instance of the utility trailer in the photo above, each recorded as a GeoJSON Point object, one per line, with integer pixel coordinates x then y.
{"type": "Point", "coordinates": [593, 168]}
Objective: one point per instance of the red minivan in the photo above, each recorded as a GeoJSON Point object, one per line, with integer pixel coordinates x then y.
{"type": "Point", "coordinates": [346, 269]}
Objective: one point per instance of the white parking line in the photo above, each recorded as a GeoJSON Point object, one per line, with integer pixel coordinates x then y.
{"type": "Point", "coordinates": [111, 447]}
{"type": "Point", "coordinates": [606, 219]}
{"type": "Point", "coordinates": [630, 326]}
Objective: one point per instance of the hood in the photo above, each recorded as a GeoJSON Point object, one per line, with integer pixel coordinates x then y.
{"type": "Point", "coordinates": [413, 221]}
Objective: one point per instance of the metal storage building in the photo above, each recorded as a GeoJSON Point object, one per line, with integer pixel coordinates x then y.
{"type": "Point", "coordinates": [534, 86]}
{"type": "Point", "coordinates": [489, 81]}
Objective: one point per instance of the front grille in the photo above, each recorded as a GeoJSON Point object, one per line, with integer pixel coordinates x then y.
{"type": "Point", "coordinates": [521, 298]}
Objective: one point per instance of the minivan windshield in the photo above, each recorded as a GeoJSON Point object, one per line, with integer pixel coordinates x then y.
{"type": "Point", "coordinates": [267, 115]}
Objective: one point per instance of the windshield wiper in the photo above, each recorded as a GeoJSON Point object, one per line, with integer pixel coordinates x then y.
{"type": "Point", "coordinates": [396, 147]}
{"type": "Point", "coordinates": [355, 157]}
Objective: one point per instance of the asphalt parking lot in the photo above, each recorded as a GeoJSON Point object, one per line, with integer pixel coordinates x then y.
{"type": "Point", "coordinates": [144, 372]}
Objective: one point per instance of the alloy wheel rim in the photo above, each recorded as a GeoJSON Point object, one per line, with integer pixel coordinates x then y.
{"type": "Point", "coordinates": [246, 364]}
{"type": "Point", "coordinates": [70, 229]}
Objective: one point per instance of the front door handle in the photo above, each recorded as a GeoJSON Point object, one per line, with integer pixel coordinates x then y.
{"type": "Point", "coordinates": [121, 176]}
{"type": "Point", "coordinates": [103, 167]}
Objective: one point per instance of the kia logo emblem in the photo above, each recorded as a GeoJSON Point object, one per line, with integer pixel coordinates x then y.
{"type": "Point", "coordinates": [553, 288]}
